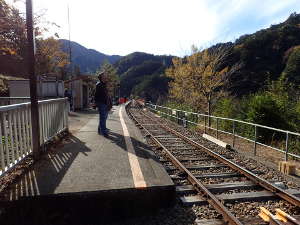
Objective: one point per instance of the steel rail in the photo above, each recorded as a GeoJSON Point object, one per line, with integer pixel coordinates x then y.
{"type": "Point", "coordinates": [228, 217]}
{"type": "Point", "coordinates": [254, 178]}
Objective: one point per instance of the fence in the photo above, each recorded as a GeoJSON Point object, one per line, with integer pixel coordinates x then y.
{"type": "Point", "coordinates": [13, 100]}
{"type": "Point", "coordinates": [251, 132]}
{"type": "Point", "coordinates": [15, 128]}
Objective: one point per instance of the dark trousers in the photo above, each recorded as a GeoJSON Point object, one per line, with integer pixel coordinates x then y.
{"type": "Point", "coordinates": [103, 113]}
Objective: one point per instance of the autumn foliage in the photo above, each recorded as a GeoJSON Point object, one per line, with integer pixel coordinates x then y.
{"type": "Point", "coordinates": [49, 56]}
{"type": "Point", "coordinates": [199, 79]}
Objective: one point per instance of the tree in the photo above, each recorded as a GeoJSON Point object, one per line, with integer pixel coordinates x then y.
{"type": "Point", "coordinates": [49, 56]}
{"type": "Point", "coordinates": [13, 44]}
{"type": "Point", "coordinates": [292, 69]}
{"type": "Point", "coordinates": [12, 40]}
{"type": "Point", "coordinates": [113, 79]}
{"type": "Point", "coordinates": [199, 79]}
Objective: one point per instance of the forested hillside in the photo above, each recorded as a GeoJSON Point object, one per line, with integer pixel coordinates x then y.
{"type": "Point", "coordinates": [255, 79]}
{"type": "Point", "coordinates": [142, 74]}
{"type": "Point", "coordinates": [265, 55]}
{"type": "Point", "coordinates": [88, 60]}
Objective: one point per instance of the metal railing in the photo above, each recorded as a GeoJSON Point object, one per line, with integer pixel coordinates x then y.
{"type": "Point", "coordinates": [13, 100]}
{"type": "Point", "coordinates": [234, 128]}
{"type": "Point", "coordinates": [15, 129]}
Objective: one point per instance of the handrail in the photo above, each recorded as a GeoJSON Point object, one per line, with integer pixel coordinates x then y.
{"type": "Point", "coordinates": [233, 120]}
{"type": "Point", "coordinates": [15, 128]}
{"type": "Point", "coordinates": [9, 98]}
{"type": "Point", "coordinates": [18, 105]}
{"type": "Point", "coordinates": [255, 141]}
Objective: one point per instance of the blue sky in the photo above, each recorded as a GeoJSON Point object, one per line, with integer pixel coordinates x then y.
{"type": "Point", "coordinates": [161, 26]}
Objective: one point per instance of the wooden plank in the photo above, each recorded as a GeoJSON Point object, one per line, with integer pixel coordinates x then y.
{"type": "Point", "coordinates": [252, 221]}
{"type": "Point", "coordinates": [216, 141]}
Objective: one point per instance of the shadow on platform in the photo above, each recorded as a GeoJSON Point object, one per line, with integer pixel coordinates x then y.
{"type": "Point", "coordinates": [141, 149]}
{"type": "Point", "coordinates": [47, 174]}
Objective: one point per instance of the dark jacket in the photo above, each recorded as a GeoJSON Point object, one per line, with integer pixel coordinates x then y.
{"type": "Point", "coordinates": [101, 95]}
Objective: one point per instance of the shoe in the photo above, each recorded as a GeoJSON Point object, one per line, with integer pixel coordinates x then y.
{"type": "Point", "coordinates": [105, 135]}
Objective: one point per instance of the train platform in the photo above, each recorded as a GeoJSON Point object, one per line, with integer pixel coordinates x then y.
{"type": "Point", "coordinates": [114, 177]}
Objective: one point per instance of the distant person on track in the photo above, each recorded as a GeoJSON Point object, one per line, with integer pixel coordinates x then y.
{"type": "Point", "coordinates": [103, 102]}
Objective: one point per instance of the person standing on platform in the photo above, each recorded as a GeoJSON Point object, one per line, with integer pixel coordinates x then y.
{"type": "Point", "coordinates": [69, 96]}
{"type": "Point", "coordinates": [103, 102]}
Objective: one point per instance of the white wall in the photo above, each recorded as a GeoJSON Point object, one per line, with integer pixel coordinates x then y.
{"type": "Point", "coordinates": [21, 88]}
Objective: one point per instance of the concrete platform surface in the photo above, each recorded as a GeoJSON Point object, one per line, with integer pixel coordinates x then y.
{"type": "Point", "coordinates": [120, 167]}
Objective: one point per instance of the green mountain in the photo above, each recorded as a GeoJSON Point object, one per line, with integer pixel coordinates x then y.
{"type": "Point", "coordinates": [88, 60]}
{"type": "Point", "coordinates": [265, 55]}
{"type": "Point", "coordinates": [142, 74]}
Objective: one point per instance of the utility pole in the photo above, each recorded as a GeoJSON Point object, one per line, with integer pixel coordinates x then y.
{"type": "Point", "coordinates": [70, 50]}
{"type": "Point", "coordinates": [33, 81]}
{"type": "Point", "coordinates": [70, 59]}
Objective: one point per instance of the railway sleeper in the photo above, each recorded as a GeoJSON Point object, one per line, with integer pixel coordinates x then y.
{"type": "Point", "coordinates": [243, 196]}
{"type": "Point", "coordinates": [184, 159]}
{"type": "Point", "coordinates": [252, 221]}
{"type": "Point", "coordinates": [210, 175]}
{"type": "Point", "coordinates": [187, 189]}
{"type": "Point", "coordinates": [197, 167]}
{"type": "Point", "coordinates": [244, 185]}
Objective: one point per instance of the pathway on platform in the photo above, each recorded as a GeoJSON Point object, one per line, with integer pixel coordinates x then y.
{"type": "Point", "coordinates": [89, 162]}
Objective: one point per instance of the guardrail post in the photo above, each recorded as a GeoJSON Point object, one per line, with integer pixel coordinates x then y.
{"type": "Point", "coordinates": [217, 128]}
{"type": "Point", "coordinates": [286, 146]}
{"type": "Point", "coordinates": [184, 121]}
{"type": "Point", "coordinates": [67, 114]}
{"type": "Point", "coordinates": [255, 136]}
{"type": "Point", "coordinates": [204, 124]}
{"type": "Point", "coordinates": [233, 134]}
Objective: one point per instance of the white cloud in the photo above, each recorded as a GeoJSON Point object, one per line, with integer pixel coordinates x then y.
{"type": "Point", "coordinates": [162, 27]}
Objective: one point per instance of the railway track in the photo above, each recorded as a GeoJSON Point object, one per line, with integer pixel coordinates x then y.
{"type": "Point", "coordinates": [211, 181]}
